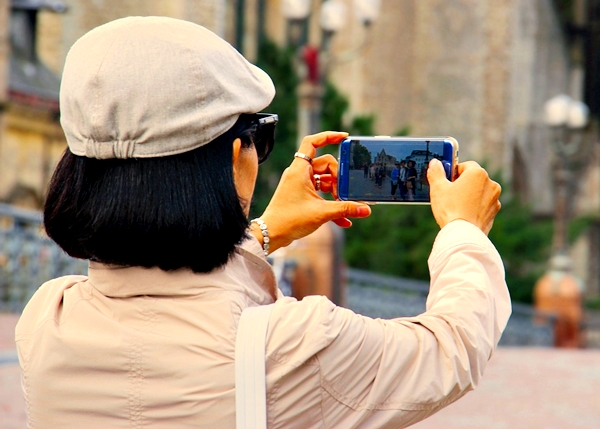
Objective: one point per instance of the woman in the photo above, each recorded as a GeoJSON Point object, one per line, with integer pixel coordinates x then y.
{"type": "Point", "coordinates": [164, 147]}
{"type": "Point", "coordinates": [411, 180]}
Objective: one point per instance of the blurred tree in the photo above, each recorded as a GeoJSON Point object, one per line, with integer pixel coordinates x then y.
{"type": "Point", "coordinates": [360, 156]}
{"type": "Point", "coordinates": [333, 109]}
{"type": "Point", "coordinates": [395, 239]}
{"type": "Point", "coordinates": [334, 114]}
{"type": "Point", "coordinates": [524, 243]}
{"type": "Point", "coordinates": [279, 64]}
{"type": "Point", "coordinates": [565, 10]}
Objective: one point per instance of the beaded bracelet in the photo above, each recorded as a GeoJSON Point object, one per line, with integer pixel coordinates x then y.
{"type": "Point", "coordinates": [265, 233]}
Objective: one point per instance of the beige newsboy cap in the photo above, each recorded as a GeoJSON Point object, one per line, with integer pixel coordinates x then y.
{"type": "Point", "coordinates": [143, 87]}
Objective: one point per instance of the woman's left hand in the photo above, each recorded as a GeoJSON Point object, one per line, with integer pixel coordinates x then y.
{"type": "Point", "coordinates": [296, 208]}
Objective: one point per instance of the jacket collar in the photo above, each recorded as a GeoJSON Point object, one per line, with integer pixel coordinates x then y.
{"type": "Point", "coordinates": [247, 272]}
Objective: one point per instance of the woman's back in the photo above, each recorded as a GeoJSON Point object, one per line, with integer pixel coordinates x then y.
{"type": "Point", "coordinates": [128, 347]}
{"type": "Point", "coordinates": [111, 361]}
{"type": "Point", "coordinates": [135, 347]}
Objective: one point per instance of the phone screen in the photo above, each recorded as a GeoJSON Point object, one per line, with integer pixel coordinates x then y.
{"type": "Point", "coordinates": [390, 170]}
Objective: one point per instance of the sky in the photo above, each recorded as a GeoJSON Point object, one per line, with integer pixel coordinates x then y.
{"type": "Point", "coordinates": [401, 150]}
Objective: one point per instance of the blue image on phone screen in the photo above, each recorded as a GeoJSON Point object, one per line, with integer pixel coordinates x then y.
{"type": "Point", "coordinates": [392, 170]}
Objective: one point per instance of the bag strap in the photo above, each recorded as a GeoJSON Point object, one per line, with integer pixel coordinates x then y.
{"type": "Point", "coordinates": [250, 377]}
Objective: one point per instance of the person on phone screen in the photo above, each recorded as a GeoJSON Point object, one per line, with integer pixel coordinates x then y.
{"type": "Point", "coordinates": [402, 179]}
{"type": "Point", "coordinates": [423, 178]}
{"type": "Point", "coordinates": [411, 180]}
{"type": "Point", "coordinates": [162, 118]}
{"type": "Point", "coordinates": [395, 179]}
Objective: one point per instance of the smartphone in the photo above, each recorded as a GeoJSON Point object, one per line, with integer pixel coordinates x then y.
{"type": "Point", "coordinates": [392, 170]}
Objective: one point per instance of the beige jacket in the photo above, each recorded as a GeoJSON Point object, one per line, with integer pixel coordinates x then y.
{"type": "Point", "coordinates": [136, 348]}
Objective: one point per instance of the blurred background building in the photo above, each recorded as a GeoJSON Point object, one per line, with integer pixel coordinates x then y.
{"type": "Point", "coordinates": [479, 70]}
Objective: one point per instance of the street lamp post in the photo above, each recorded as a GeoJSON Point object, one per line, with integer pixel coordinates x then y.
{"type": "Point", "coordinates": [314, 60]}
{"type": "Point", "coordinates": [317, 257]}
{"type": "Point", "coordinates": [558, 291]}
{"type": "Point", "coordinates": [566, 119]}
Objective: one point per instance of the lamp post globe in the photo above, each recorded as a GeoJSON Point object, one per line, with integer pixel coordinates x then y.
{"type": "Point", "coordinates": [295, 10]}
{"type": "Point", "coordinates": [333, 16]}
{"type": "Point", "coordinates": [578, 115]}
{"type": "Point", "coordinates": [556, 110]}
{"type": "Point", "coordinates": [367, 11]}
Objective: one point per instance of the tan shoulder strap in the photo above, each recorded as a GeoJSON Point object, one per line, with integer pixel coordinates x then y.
{"type": "Point", "coordinates": [250, 377]}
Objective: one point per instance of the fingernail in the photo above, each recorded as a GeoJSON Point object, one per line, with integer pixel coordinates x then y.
{"type": "Point", "coordinates": [364, 211]}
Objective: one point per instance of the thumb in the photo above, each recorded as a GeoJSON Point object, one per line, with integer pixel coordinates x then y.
{"type": "Point", "coordinates": [435, 172]}
{"type": "Point", "coordinates": [346, 209]}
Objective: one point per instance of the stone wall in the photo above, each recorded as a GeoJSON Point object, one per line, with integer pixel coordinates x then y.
{"type": "Point", "coordinates": [32, 143]}
{"type": "Point", "coordinates": [57, 33]}
{"type": "Point", "coordinates": [479, 70]}
{"type": "Point", "coordinates": [539, 70]}
{"type": "Point", "coordinates": [31, 140]}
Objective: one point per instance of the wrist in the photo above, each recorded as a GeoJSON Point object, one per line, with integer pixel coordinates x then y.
{"type": "Point", "coordinates": [260, 230]}
{"type": "Point", "coordinates": [274, 240]}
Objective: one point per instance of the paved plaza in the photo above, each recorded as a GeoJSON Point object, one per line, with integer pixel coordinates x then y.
{"type": "Point", "coordinates": [12, 405]}
{"type": "Point", "coordinates": [365, 186]}
{"type": "Point", "coordinates": [524, 388]}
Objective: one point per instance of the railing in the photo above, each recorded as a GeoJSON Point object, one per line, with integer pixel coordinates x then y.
{"type": "Point", "coordinates": [28, 258]}
{"type": "Point", "coordinates": [377, 295]}
{"type": "Point", "coordinates": [386, 297]}
{"type": "Point", "coordinates": [591, 329]}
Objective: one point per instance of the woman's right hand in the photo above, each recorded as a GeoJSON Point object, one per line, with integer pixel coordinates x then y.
{"type": "Point", "coordinates": [296, 208]}
{"type": "Point", "coordinates": [473, 196]}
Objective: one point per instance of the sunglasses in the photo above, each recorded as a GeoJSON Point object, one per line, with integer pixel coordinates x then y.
{"type": "Point", "coordinates": [265, 135]}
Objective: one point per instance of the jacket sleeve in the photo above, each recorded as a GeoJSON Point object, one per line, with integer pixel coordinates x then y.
{"type": "Point", "coordinates": [393, 373]}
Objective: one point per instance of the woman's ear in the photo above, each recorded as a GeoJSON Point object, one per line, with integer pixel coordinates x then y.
{"type": "Point", "coordinates": [237, 146]}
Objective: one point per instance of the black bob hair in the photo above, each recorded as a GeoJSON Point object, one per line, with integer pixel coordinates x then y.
{"type": "Point", "coordinates": [179, 211]}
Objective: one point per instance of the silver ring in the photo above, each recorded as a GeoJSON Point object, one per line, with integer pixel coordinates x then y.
{"type": "Point", "coordinates": [317, 182]}
{"type": "Point", "coordinates": [303, 156]}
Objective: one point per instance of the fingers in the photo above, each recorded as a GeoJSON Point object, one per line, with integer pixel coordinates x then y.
{"type": "Point", "coordinates": [336, 210]}
{"type": "Point", "coordinates": [488, 227]}
{"type": "Point", "coordinates": [497, 190]}
{"type": "Point", "coordinates": [310, 143]}
{"type": "Point", "coordinates": [343, 222]}
{"type": "Point", "coordinates": [436, 173]}
{"type": "Point", "coordinates": [325, 164]}
{"type": "Point", "coordinates": [473, 196]}
{"type": "Point", "coordinates": [296, 208]}
{"type": "Point", "coordinates": [327, 183]}
{"type": "Point", "coordinates": [327, 167]}
{"type": "Point", "coordinates": [468, 165]}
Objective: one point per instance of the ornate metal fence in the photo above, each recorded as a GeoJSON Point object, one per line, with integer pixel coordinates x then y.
{"type": "Point", "coordinates": [28, 257]}
{"type": "Point", "coordinates": [382, 296]}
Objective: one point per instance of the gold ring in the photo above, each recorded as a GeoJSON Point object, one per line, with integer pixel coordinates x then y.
{"type": "Point", "coordinates": [303, 156]}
